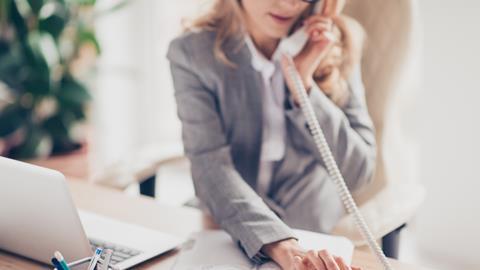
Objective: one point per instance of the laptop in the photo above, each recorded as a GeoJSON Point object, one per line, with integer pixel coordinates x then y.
{"type": "Point", "coordinates": [38, 217]}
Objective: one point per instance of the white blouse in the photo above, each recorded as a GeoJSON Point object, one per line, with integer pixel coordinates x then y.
{"type": "Point", "coordinates": [274, 130]}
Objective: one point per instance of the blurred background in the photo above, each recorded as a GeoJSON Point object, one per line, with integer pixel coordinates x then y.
{"type": "Point", "coordinates": [85, 88]}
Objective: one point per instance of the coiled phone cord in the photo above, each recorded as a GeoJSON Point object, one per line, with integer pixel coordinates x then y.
{"type": "Point", "coordinates": [332, 168]}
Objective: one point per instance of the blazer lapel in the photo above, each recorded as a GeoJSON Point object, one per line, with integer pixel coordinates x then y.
{"type": "Point", "coordinates": [246, 137]}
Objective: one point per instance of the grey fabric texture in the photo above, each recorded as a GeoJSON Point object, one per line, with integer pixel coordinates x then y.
{"type": "Point", "coordinates": [220, 108]}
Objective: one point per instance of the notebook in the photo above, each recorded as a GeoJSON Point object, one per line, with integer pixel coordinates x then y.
{"type": "Point", "coordinates": [212, 250]}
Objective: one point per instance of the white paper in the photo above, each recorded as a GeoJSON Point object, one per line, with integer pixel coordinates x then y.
{"type": "Point", "coordinates": [215, 250]}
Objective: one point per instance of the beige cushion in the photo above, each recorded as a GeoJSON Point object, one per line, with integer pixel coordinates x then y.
{"type": "Point", "coordinates": [388, 68]}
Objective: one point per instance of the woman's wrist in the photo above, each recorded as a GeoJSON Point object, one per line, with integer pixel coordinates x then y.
{"type": "Point", "coordinates": [307, 83]}
{"type": "Point", "coordinates": [283, 251]}
{"type": "Point", "coordinates": [306, 78]}
{"type": "Point", "coordinates": [304, 73]}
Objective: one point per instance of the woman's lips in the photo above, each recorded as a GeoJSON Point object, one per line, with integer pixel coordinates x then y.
{"type": "Point", "coordinates": [280, 19]}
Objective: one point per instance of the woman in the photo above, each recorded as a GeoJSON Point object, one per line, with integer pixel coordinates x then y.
{"type": "Point", "coordinates": [253, 161]}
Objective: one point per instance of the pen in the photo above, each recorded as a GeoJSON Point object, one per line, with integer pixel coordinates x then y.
{"type": "Point", "coordinates": [95, 258]}
{"type": "Point", "coordinates": [78, 262]}
{"type": "Point", "coordinates": [106, 261]}
{"type": "Point", "coordinates": [61, 261]}
{"type": "Point", "coordinates": [56, 263]}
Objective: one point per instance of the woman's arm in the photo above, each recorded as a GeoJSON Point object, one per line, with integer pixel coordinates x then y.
{"type": "Point", "coordinates": [233, 204]}
{"type": "Point", "coordinates": [349, 131]}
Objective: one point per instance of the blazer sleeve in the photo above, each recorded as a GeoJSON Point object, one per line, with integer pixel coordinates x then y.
{"type": "Point", "coordinates": [234, 205]}
{"type": "Point", "coordinates": [349, 131]}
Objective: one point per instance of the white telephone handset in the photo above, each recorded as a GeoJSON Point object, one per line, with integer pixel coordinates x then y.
{"type": "Point", "coordinates": [327, 156]}
{"type": "Point", "coordinates": [294, 43]}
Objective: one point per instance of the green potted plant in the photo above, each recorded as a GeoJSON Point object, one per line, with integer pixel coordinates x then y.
{"type": "Point", "coordinates": [46, 47]}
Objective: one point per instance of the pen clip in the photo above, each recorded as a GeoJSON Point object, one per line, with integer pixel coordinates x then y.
{"type": "Point", "coordinates": [95, 258]}
{"type": "Point", "coordinates": [105, 262]}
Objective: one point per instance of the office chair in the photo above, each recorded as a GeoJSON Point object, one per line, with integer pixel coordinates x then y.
{"type": "Point", "coordinates": [388, 66]}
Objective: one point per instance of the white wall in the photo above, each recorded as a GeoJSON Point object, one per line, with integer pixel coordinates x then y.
{"type": "Point", "coordinates": [134, 106]}
{"type": "Point", "coordinates": [447, 228]}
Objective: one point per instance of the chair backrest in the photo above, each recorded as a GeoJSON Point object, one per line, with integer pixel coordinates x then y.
{"type": "Point", "coordinates": [390, 50]}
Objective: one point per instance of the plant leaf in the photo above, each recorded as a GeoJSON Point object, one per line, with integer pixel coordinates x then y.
{"type": "Point", "coordinates": [10, 120]}
{"type": "Point", "coordinates": [35, 5]}
{"type": "Point", "coordinates": [72, 93]}
{"type": "Point", "coordinates": [87, 36]}
{"type": "Point", "coordinates": [53, 18]}
{"type": "Point", "coordinates": [18, 21]}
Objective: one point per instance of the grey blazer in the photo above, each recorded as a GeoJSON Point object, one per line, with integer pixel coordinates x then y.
{"type": "Point", "coordinates": [220, 108]}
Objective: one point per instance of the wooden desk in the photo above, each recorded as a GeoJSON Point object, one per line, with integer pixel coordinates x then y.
{"type": "Point", "coordinates": [179, 221]}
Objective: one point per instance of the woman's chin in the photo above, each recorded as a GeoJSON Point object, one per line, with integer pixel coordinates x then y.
{"type": "Point", "coordinates": [277, 33]}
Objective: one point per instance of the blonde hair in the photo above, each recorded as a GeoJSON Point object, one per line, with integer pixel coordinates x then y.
{"type": "Point", "coordinates": [333, 72]}
{"type": "Point", "coordinates": [225, 18]}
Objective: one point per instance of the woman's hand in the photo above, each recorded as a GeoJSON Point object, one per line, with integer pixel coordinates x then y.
{"type": "Point", "coordinates": [290, 256]}
{"type": "Point", "coordinates": [320, 41]}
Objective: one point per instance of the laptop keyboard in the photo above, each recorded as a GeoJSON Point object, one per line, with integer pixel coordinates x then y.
{"type": "Point", "coordinates": [120, 253]}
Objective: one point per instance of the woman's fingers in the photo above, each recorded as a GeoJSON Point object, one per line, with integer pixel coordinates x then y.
{"type": "Point", "coordinates": [341, 263]}
{"type": "Point", "coordinates": [333, 7]}
{"type": "Point", "coordinates": [330, 8]}
{"type": "Point", "coordinates": [320, 44]}
{"type": "Point", "coordinates": [320, 23]}
{"type": "Point", "coordinates": [316, 36]}
{"type": "Point", "coordinates": [321, 260]}
{"type": "Point", "coordinates": [322, 26]}
{"type": "Point", "coordinates": [320, 30]}
{"type": "Point", "coordinates": [315, 261]}
{"type": "Point", "coordinates": [318, 19]}
{"type": "Point", "coordinates": [314, 30]}
{"type": "Point", "coordinates": [328, 260]}
{"type": "Point", "coordinates": [298, 263]}
{"type": "Point", "coordinates": [320, 36]}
